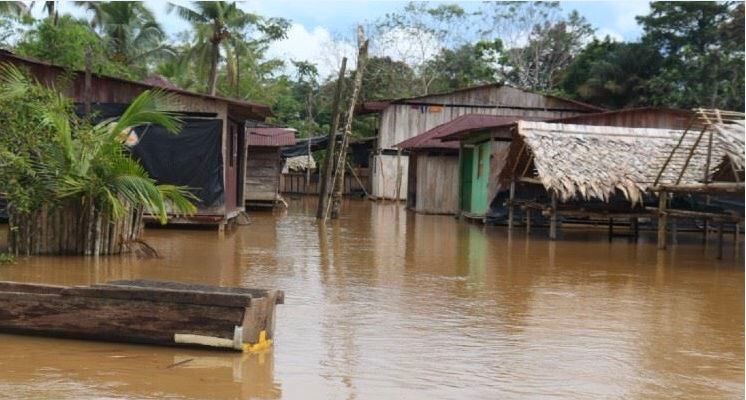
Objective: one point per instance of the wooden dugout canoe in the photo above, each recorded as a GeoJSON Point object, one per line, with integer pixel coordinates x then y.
{"type": "Point", "coordinates": [141, 311]}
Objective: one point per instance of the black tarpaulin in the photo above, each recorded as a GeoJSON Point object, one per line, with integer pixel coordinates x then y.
{"type": "Point", "coordinates": [191, 158]}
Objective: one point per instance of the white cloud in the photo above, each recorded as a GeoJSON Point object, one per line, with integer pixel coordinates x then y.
{"type": "Point", "coordinates": [316, 46]}
{"type": "Point", "coordinates": [625, 22]}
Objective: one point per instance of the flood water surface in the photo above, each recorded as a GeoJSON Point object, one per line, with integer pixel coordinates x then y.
{"type": "Point", "coordinates": [385, 304]}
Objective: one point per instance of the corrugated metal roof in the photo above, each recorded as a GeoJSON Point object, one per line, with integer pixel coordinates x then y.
{"type": "Point", "coordinates": [270, 137]}
{"type": "Point", "coordinates": [260, 109]}
{"type": "Point", "coordinates": [484, 122]}
{"type": "Point", "coordinates": [432, 139]}
{"type": "Point", "coordinates": [375, 106]}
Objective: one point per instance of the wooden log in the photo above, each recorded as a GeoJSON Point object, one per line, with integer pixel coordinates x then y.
{"type": "Point", "coordinates": [161, 313]}
{"type": "Point", "coordinates": [326, 182]}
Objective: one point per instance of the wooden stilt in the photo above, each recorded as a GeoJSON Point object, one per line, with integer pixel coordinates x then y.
{"type": "Point", "coordinates": [662, 219]}
{"type": "Point", "coordinates": [635, 228]}
{"type": "Point", "coordinates": [674, 231]}
{"type": "Point", "coordinates": [736, 233]}
{"type": "Point", "coordinates": [553, 219]}
{"type": "Point", "coordinates": [528, 221]}
{"type": "Point", "coordinates": [511, 208]}
{"type": "Point", "coordinates": [720, 241]}
{"type": "Point", "coordinates": [611, 228]}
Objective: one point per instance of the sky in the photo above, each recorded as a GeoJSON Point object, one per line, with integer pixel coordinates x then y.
{"type": "Point", "coordinates": [315, 23]}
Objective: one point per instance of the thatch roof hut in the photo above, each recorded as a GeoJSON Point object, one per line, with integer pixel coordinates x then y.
{"type": "Point", "coordinates": [586, 162]}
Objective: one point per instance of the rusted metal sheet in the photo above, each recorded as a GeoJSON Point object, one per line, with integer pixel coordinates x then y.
{"type": "Point", "coordinates": [270, 137]}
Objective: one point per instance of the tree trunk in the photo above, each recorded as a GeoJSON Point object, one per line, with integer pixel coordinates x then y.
{"type": "Point", "coordinates": [213, 78]}
{"type": "Point", "coordinates": [326, 183]}
{"type": "Point", "coordinates": [362, 58]}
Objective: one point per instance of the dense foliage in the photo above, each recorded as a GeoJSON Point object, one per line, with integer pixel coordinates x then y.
{"type": "Point", "coordinates": [48, 155]}
{"type": "Point", "coordinates": [690, 54]}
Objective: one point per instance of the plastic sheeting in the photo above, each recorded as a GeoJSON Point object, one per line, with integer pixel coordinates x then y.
{"type": "Point", "coordinates": [191, 158]}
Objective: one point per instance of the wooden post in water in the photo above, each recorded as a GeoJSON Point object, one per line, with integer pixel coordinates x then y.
{"type": "Point", "coordinates": [511, 200]}
{"type": "Point", "coordinates": [662, 219]}
{"type": "Point", "coordinates": [720, 240]}
{"type": "Point", "coordinates": [635, 228]}
{"type": "Point", "coordinates": [736, 233]}
{"type": "Point", "coordinates": [325, 184]}
{"type": "Point", "coordinates": [553, 219]}
{"type": "Point", "coordinates": [339, 170]}
{"type": "Point", "coordinates": [308, 165]}
{"type": "Point", "coordinates": [528, 221]}
{"type": "Point", "coordinates": [611, 228]}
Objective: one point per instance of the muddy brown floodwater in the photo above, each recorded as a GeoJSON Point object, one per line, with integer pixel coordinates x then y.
{"type": "Point", "coordinates": [384, 304]}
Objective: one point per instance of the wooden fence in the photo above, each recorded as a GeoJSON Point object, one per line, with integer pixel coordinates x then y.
{"type": "Point", "coordinates": [295, 182]}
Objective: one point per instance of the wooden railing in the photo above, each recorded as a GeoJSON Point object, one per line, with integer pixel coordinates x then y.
{"type": "Point", "coordinates": [295, 182]}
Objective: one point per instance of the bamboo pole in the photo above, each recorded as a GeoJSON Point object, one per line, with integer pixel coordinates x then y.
{"type": "Point", "coordinates": [339, 170]}
{"type": "Point", "coordinates": [326, 183]}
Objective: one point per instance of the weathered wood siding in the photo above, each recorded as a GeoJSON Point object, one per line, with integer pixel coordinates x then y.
{"type": "Point", "coordinates": [637, 118]}
{"type": "Point", "coordinates": [436, 184]}
{"type": "Point", "coordinates": [263, 171]}
{"type": "Point", "coordinates": [384, 178]}
{"type": "Point", "coordinates": [399, 122]}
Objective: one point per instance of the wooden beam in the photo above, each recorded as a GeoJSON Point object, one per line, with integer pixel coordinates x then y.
{"type": "Point", "coordinates": [715, 187]}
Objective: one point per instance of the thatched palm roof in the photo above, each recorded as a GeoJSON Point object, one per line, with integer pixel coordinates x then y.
{"type": "Point", "coordinates": [582, 161]}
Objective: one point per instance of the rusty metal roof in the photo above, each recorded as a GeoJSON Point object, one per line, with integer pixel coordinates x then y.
{"type": "Point", "coordinates": [255, 108]}
{"type": "Point", "coordinates": [270, 136]}
{"type": "Point", "coordinates": [375, 106]}
{"type": "Point", "coordinates": [433, 139]}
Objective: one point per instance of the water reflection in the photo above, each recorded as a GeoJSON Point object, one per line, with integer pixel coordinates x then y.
{"type": "Point", "coordinates": [388, 304]}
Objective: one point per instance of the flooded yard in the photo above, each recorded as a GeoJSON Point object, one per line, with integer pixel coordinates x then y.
{"type": "Point", "coordinates": [388, 304]}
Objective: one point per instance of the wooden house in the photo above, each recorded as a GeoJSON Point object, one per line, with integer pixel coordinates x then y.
{"type": "Point", "coordinates": [401, 119]}
{"type": "Point", "coordinates": [484, 150]}
{"type": "Point", "coordinates": [610, 172]}
{"type": "Point", "coordinates": [433, 176]}
{"type": "Point", "coordinates": [264, 163]}
{"type": "Point", "coordinates": [211, 119]}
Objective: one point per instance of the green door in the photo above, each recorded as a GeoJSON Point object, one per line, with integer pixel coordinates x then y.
{"type": "Point", "coordinates": [467, 171]}
{"type": "Point", "coordinates": [480, 180]}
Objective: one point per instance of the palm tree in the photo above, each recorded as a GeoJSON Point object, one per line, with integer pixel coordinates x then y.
{"type": "Point", "coordinates": [215, 22]}
{"type": "Point", "coordinates": [129, 28]}
{"type": "Point", "coordinates": [13, 8]}
{"type": "Point", "coordinates": [87, 170]}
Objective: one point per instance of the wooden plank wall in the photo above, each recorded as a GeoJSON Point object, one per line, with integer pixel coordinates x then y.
{"type": "Point", "coordinates": [437, 184]}
{"type": "Point", "coordinates": [399, 122]}
{"type": "Point", "coordinates": [295, 183]}
{"type": "Point", "coordinates": [262, 173]}
{"type": "Point", "coordinates": [384, 176]}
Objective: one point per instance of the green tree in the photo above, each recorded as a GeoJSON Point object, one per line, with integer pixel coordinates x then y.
{"type": "Point", "coordinates": [130, 31]}
{"type": "Point", "coordinates": [50, 156]}
{"type": "Point", "coordinates": [65, 44]}
{"type": "Point", "coordinates": [466, 65]}
{"type": "Point", "coordinates": [702, 46]}
{"type": "Point", "coordinates": [612, 74]}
